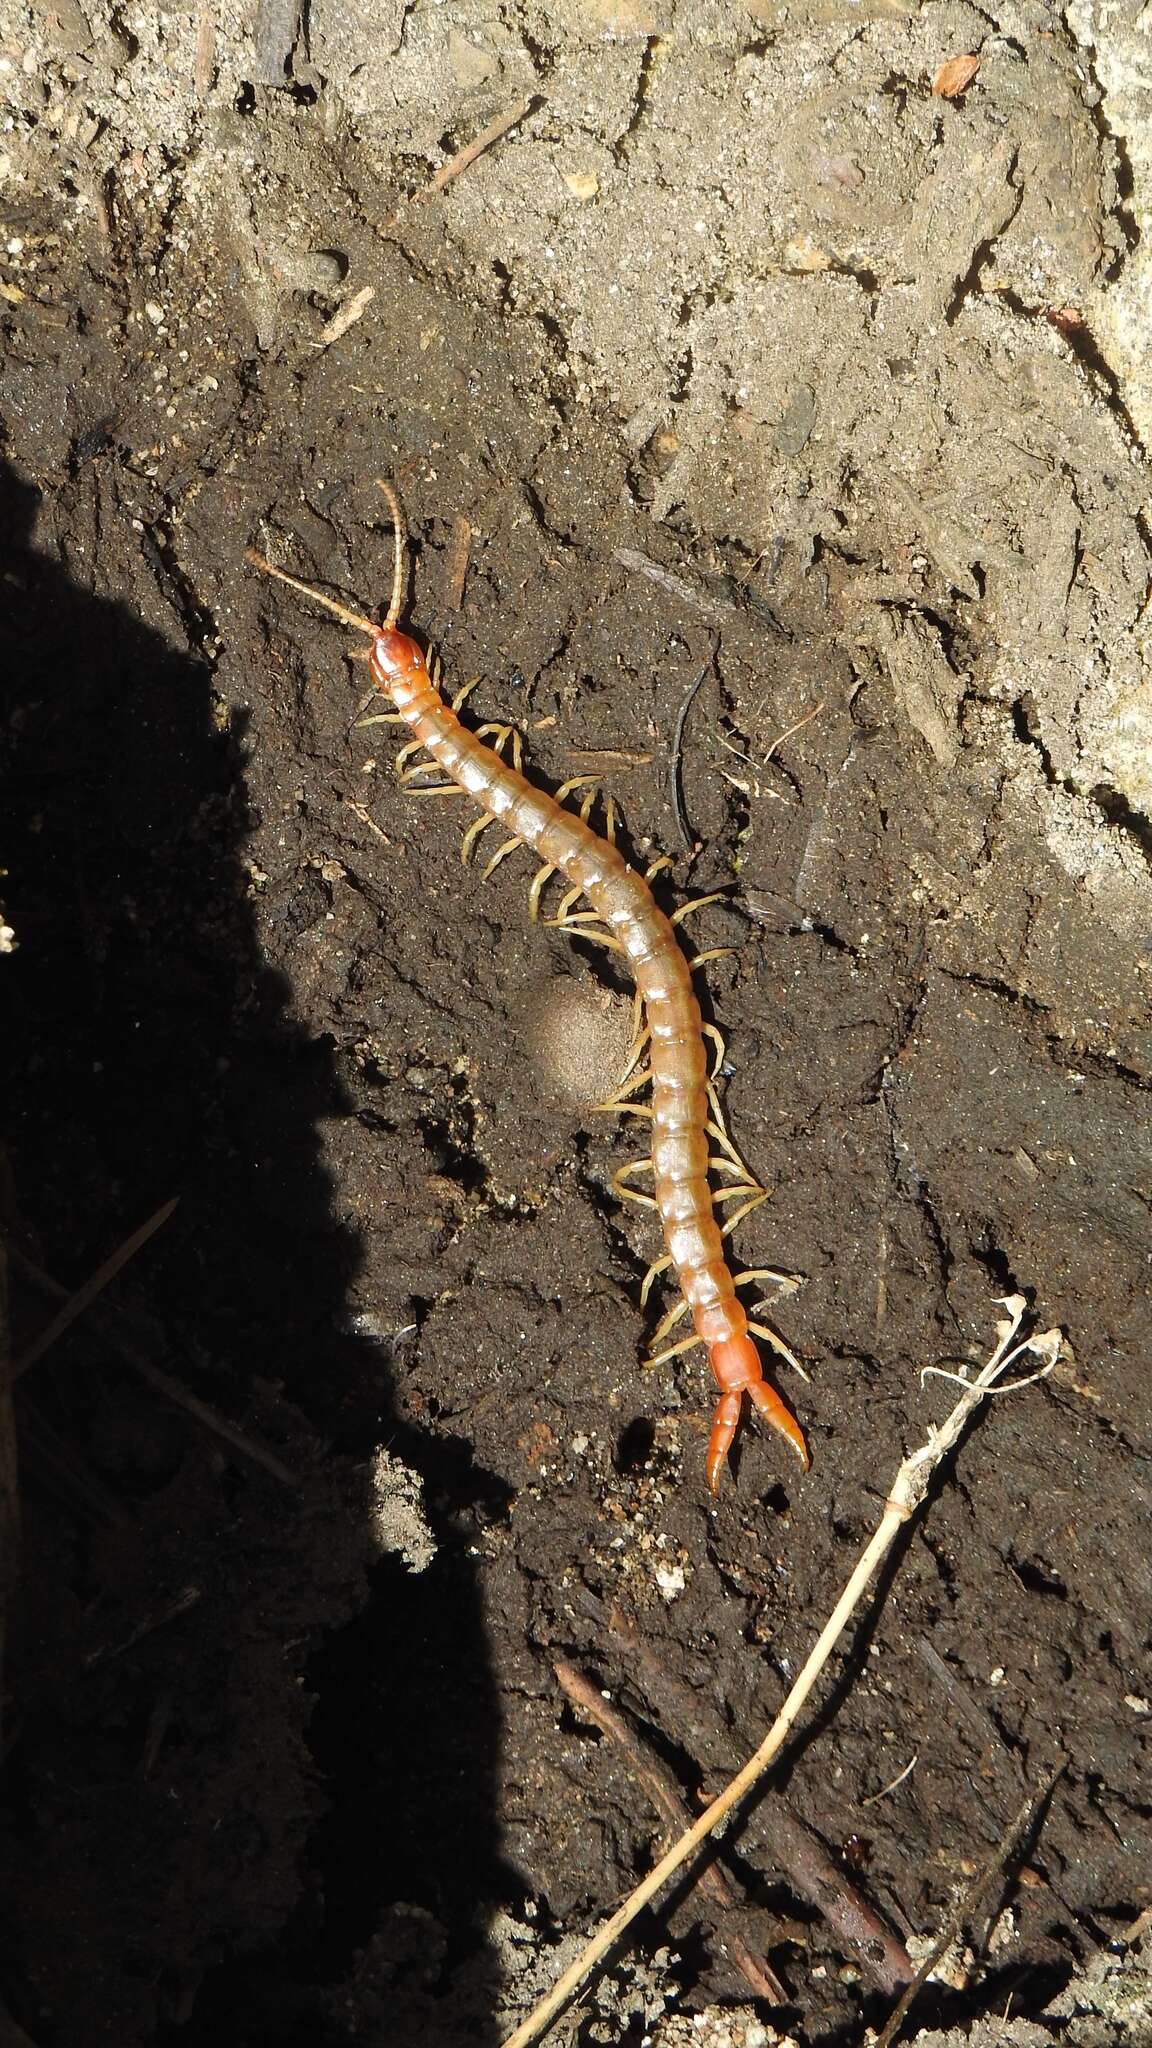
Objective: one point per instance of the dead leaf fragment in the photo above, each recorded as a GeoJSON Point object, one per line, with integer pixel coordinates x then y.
{"type": "Point", "coordinates": [582, 184]}
{"type": "Point", "coordinates": [955, 76]}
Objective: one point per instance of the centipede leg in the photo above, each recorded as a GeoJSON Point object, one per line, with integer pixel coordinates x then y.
{"type": "Point", "coordinates": [408, 771]}
{"type": "Point", "coordinates": [542, 876]}
{"type": "Point", "coordinates": [717, 1037]}
{"type": "Point", "coordinates": [619, 1102]}
{"type": "Point", "coordinates": [641, 1035]}
{"type": "Point", "coordinates": [572, 896]}
{"type": "Point", "coordinates": [504, 736]}
{"type": "Point", "coordinates": [500, 854]}
{"type": "Point", "coordinates": [584, 930]}
{"type": "Point", "coordinates": [716, 1129]}
{"type": "Point", "coordinates": [471, 836]}
{"type": "Point", "coordinates": [773, 1338]}
{"type": "Point", "coordinates": [669, 1321]}
{"type": "Point", "coordinates": [621, 1187]}
{"type": "Point", "coordinates": [755, 1193]}
{"type": "Point", "coordinates": [372, 696]}
{"type": "Point", "coordinates": [788, 1282]}
{"type": "Point", "coordinates": [673, 1351]}
{"type": "Point", "coordinates": [657, 1267]}
{"type": "Point", "coordinates": [697, 903]}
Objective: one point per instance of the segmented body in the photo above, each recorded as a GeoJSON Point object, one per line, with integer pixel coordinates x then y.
{"type": "Point", "coordinates": [680, 1107]}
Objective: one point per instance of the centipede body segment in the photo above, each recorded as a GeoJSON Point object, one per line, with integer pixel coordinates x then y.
{"type": "Point", "coordinates": [682, 1103]}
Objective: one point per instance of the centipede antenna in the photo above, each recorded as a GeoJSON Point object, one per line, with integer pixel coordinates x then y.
{"type": "Point", "coordinates": [401, 531]}
{"type": "Point", "coordinates": [339, 611]}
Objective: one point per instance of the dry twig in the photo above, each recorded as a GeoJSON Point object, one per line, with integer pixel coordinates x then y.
{"type": "Point", "coordinates": [86, 1295]}
{"type": "Point", "coordinates": [495, 130]}
{"type": "Point", "coordinates": [345, 316]}
{"type": "Point", "coordinates": [134, 1355]}
{"type": "Point", "coordinates": [907, 1496]}
{"type": "Point", "coordinates": [675, 758]}
{"type": "Point", "coordinates": [664, 1793]}
{"type": "Point", "coordinates": [694, 1724]}
{"type": "Point", "coordinates": [969, 1904]}
{"type": "Point", "coordinates": [461, 549]}
{"type": "Point", "coordinates": [487, 136]}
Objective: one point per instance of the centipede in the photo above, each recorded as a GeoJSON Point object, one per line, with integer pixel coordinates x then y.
{"type": "Point", "coordinates": [669, 1055]}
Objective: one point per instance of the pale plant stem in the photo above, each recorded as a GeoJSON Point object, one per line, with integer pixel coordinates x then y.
{"type": "Point", "coordinates": [907, 1495]}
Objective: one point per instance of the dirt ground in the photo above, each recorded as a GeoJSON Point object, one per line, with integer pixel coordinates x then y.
{"type": "Point", "coordinates": [772, 434]}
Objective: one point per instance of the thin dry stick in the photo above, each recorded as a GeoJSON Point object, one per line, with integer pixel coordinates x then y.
{"type": "Point", "coordinates": [907, 1496]}
{"type": "Point", "coordinates": [794, 1847]}
{"type": "Point", "coordinates": [345, 316]}
{"type": "Point", "coordinates": [664, 1793]}
{"type": "Point", "coordinates": [134, 1355]}
{"type": "Point", "coordinates": [487, 136]}
{"type": "Point", "coordinates": [86, 1295]}
{"type": "Point", "coordinates": [791, 731]}
{"type": "Point", "coordinates": [965, 1907]}
{"type": "Point", "coordinates": [461, 548]}
{"type": "Point", "coordinates": [675, 757]}
{"type": "Point", "coordinates": [463, 157]}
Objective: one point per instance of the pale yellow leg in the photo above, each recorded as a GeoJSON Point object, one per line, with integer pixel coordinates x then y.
{"type": "Point", "coordinates": [716, 1164]}
{"type": "Point", "coordinates": [713, 953]}
{"type": "Point", "coordinates": [717, 1037]}
{"type": "Point", "coordinates": [669, 1321]}
{"type": "Point", "coordinates": [569, 924]}
{"type": "Point", "coordinates": [640, 1036]}
{"type": "Point", "coordinates": [468, 843]}
{"type": "Point", "coordinates": [673, 1351]}
{"type": "Point", "coordinates": [657, 1267]}
{"type": "Point", "coordinates": [697, 903]}
{"type": "Point", "coordinates": [626, 1088]}
{"type": "Point", "coordinates": [576, 782]}
{"type": "Point", "coordinates": [747, 1187]}
{"type": "Point", "coordinates": [500, 854]}
{"type": "Point", "coordinates": [463, 693]}
{"type": "Point", "coordinates": [778, 1345]}
{"type": "Point", "coordinates": [543, 876]}
{"type": "Point", "coordinates": [620, 1182]}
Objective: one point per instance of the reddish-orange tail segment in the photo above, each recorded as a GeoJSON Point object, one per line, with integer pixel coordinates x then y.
{"type": "Point", "coordinates": [736, 1364]}
{"type": "Point", "coordinates": [636, 926]}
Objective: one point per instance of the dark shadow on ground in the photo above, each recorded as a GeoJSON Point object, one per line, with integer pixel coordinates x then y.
{"type": "Point", "coordinates": [236, 1739]}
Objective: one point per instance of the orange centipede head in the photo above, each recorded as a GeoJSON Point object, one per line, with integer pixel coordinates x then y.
{"type": "Point", "coordinates": [395, 659]}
